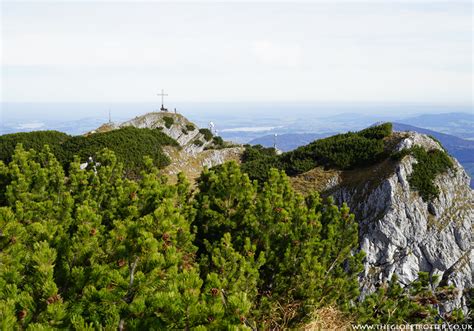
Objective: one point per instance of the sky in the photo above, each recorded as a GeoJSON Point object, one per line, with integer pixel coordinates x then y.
{"type": "Point", "coordinates": [321, 51]}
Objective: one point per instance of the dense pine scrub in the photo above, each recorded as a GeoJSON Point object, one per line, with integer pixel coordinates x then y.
{"type": "Point", "coordinates": [302, 248]}
{"type": "Point", "coordinates": [94, 250]}
{"type": "Point", "coordinates": [169, 121]}
{"type": "Point", "coordinates": [129, 144]}
{"type": "Point", "coordinates": [342, 151]}
{"type": "Point", "coordinates": [206, 133]}
{"type": "Point", "coordinates": [429, 165]}
{"type": "Point", "coordinates": [197, 142]}
{"type": "Point", "coordinates": [218, 141]}
{"type": "Point", "coordinates": [415, 303]}
{"type": "Point", "coordinates": [190, 127]}
{"type": "Point", "coordinates": [32, 140]}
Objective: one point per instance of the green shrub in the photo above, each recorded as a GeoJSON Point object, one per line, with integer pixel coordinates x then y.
{"type": "Point", "coordinates": [198, 142]}
{"type": "Point", "coordinates": [190, 127]}
{"type": "Point", "coordinates": [100, 252]}
{"type": "Point", "coordinates": [342, 151]}
{"type": "Point", "coordinates": [94, 250]}
{"type": "Point", "coordinates": [129, 144]}
{"type": "Point", "coordinates": [184, 131]}
{"type": "Point", "coordinates": [429, 165]}
{"type": "Point", "coordinates": [304, 247]}
{"type": "Point", "coordinates": [207, 134]}
{"type": "Point", "coordinates": [258, 160]}
{"type": "Point", "coordinates": [169, 121]}
{"type": "Point", "coordinates": [415, 304]}
{"type": "Point", "coordinates": [377, 131]}
{"type": "Point", "coordinates": [33, 140]}
{"type": "Point", "coordinates": [218, 141]}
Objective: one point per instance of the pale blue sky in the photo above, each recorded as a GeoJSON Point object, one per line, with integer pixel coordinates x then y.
{"type": "Point", "coordinates": [384, 51]}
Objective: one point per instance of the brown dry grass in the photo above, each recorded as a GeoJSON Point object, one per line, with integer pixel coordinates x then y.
{"type": "Point", "coordinates": [328, 318]}
{"type": "Point", "coordinates": [192, 166]}
{"type": "Point", "coordinates": [316, 179]}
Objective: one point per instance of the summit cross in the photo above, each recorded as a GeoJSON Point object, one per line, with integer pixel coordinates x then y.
{"type": "Point", "coordinates": [162, 94]}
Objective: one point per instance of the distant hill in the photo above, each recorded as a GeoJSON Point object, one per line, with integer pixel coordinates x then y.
{"type": "Point", "coordinates": [289, 141]}
{"type": "Point", "coordinates": [458, 124]}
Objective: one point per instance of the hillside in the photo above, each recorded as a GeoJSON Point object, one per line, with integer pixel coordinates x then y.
{"type": "Point", "coordinates": [174, 144]}
{"type": "Point", "coordinates": [129, 144]}
{"type": "Point", "coordinates": [401, 231]}
{"type": "Point", "coordinates": [199, 148]}
{"type": "Point", "coordinates": [413, 202]}
{"type": "Point", "coordinates": [461, 149]}
{"type": "Point", "coordinates": [458, 124]}
{"type": "Point", "coordinates": [386, 240]}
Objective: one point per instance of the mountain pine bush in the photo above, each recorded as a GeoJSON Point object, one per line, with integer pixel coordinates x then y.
{"type": "Point", "coordinates": [95, 250]}
{"type": "Point", "coordinates": [417, 303]}
{"type": "Point", "coordinates": [429, 165]}
{"type": "Point", "coordinates": [304, 245]}
{"type": "Point", "coordinates": [207, 134]}
{"type": "Point", "coordinates": [342, 151]}
{"type": "Point", "coordinates": [129, 144]}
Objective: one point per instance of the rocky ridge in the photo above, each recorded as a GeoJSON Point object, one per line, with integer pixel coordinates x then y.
{"type": "Point", "coordinates": [402, 234]}
{"type": "Point", "coordinates": [196, 151]}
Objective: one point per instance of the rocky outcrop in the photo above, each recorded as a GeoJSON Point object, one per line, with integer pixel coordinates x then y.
{"type": "Point", "coordinates": [179, 128]}
{"type": "Point", "coordinates": [402, 234]}
{"type": "Point", "coordinates": [196, 151]}
{"type": "Point", "coordinates": [192, 165]}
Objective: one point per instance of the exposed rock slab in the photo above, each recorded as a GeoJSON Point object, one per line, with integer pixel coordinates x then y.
{"type": "Point", "coordinates": [403, 235]}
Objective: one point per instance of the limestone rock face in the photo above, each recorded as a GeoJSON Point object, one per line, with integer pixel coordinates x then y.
{"type": "Point", "coordinates": [178, 130]}
{"type": "Point", "coordinates": [192, 166]}
{"type": "Point", "coordinates": [402, 234]}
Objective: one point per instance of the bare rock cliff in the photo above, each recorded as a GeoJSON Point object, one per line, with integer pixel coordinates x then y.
{"type": "Point", "coordinates": [402, 234]}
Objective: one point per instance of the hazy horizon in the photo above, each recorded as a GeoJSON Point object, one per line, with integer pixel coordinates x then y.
{"type": "Point", "coordinates": [124, 110]}
{"type": "Point", "coordinates": [311, 51]}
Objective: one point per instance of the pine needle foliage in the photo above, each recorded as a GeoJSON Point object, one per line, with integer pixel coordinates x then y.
{"type": "Point", "coordinates": [342, 151]}
{"type": "Point", "coordinates": [207, 134]}
{"type": "Point", "coordinates": [429, 165]}
{"type": "Point", "coordinates": [417, 303]}
{"type": "Point", "coordinates": [304, 246]}
{"type": "Point", "coordinates": [93, 250]}
{"type": "Point", "coordinates": [129, 144]}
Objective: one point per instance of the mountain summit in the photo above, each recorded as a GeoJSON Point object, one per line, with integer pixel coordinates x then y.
{"type": "Point", "coordinates": [200, 147]}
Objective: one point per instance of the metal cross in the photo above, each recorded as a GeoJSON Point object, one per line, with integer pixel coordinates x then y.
{"type": "Point", "coordinates": [162, 94]}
